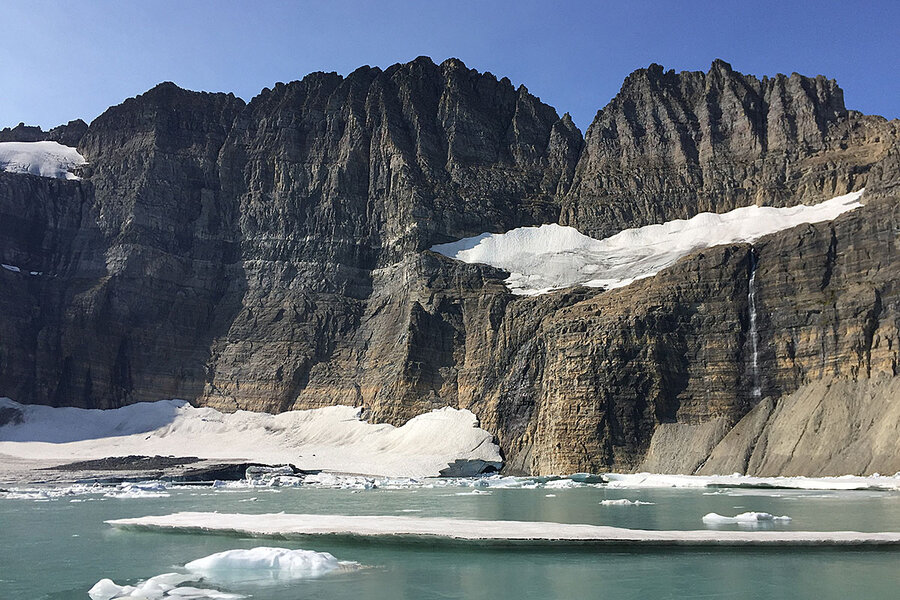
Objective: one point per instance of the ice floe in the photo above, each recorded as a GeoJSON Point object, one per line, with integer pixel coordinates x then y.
{"type": "Point", "coordinates": [625, 502]}
{"type": "Point", "coordinates": [416, 529]}
{"type": "Point", "coordinates": [843, 482]}
{"type": "Point", "coordinates": [745, 518]}
{"type": "Point", "coordinates": [150, 489]}
{"type": "Point", "coordinates": [47, 159]}
{"type": "Point", "coordinates": [550, 257]}
{"type": "Point", "coordinates": [167, 585]}
{"type": "Point", "coordinates": [334, 438]}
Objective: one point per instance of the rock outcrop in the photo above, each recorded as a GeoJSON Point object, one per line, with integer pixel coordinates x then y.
{"type": "Point", "coordinates": [67, 135]}
{"type": "Point", "coordinates": [273, 255]}
{"type": "Point", "coordinates": [671, 145]}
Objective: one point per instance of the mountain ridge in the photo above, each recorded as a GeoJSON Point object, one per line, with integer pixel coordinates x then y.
{"type": "Point", "coordinates": [272, 255]}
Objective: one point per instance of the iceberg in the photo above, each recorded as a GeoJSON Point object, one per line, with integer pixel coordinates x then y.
{"type": "Point", "coordinates": [745, 518]}
{"type": "Point", "coordinates": [159, 587]}
{"type": "Point", "coordinates": [277, 563]}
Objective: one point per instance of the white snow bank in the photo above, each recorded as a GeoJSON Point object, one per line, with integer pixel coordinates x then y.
{"type": "Point", "coordinates": [551, 257]}
{"type": "Point", "coordinates": [414, 529]}
{"type": "Point", "coordinates": [47, 159]}
{"type": "Point", "coordinates": [746, 518]}
{"type": "Point", "coordinates": [167, 585]}
{"type": "Point", "coordinates": [625, 502]}
{"type": "Point", "coordinates": [276, 563]}
{"type": "Point", "coordinates": [333, 438]}
{"type": "Point", "coordinates": [844, 482]}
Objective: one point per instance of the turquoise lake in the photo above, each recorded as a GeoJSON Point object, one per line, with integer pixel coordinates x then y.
{"type": "Point", "coordinates": [60, 547]}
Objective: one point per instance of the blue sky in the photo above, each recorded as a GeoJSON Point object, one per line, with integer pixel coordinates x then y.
{"type": "Point", "coordinates": [67, 60]}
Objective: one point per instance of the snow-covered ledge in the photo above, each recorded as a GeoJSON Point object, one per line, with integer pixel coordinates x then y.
{"type": "Point", "coordinates": [551, 257]}
{"type": "Point", "coordinates": [47, 159]}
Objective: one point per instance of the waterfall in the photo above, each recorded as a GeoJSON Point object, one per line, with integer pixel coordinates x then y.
{"type": "Point", "coordinates": [754, 334]}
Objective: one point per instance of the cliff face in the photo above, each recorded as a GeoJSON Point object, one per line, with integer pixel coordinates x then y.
{"type": "Point", "coordinates": [273, 255]}
{"type": "Point", "coordinates": [671, 145]}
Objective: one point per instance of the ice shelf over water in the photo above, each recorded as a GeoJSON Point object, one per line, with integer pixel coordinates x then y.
{"type": "Point", "coordinates": [47, 159]}
{"type": "Point", "coordinates": [333, 438]}
{"type": "Point", "coordinates": [434, 530]}
{"type": "Point", "coordinates": [551, 257]}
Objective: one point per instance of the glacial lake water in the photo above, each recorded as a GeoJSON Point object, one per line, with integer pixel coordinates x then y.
{"type": "Point", "coordinates": [58, 548]}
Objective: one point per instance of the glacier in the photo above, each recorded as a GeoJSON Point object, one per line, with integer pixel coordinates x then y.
{"type": "Point", "coordinates": [552, 257]}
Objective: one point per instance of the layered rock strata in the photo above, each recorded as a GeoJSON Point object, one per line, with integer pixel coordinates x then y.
{"type": "Point", "coordinates": [273, 255]}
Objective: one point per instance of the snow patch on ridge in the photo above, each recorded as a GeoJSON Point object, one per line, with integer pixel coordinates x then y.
{"type": "Point", "coordinates": [551, 257]}
{"type": "Point", "coordinates": [47, 159]}
{"type": "Point", "coordinates": [333, 438]}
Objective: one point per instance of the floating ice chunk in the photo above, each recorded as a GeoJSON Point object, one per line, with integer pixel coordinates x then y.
{"type": "Point", "coordinates": [12, 268]}
{"type": "Point", "coordinates": [147, 489]}
{"type": "Point", "coordinates": [47, 159]}
{"type": "Point", "coordinates": [341, 482]}
{"type": "Point", "coordinates": [745, 518]}
{"type": "Point", "coordinates": [105, 589]}
{"type": "Point", "coordinates": [550, 257]}
{"type": "Point", "coordinates": [625, 502]}
{"type": "Point", "coordinates": [160, 587]}
{"type": "Point", "coordinates": [52, 493]}
{"type": "Point", "coordinates": [278, 563]}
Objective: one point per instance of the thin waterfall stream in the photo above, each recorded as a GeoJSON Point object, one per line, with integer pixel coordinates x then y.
{"type": "Point", "coordinates": [754, 333]}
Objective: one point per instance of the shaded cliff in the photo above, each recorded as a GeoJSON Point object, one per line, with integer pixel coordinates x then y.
{"type": "Point", "coordinates": [273, 255]}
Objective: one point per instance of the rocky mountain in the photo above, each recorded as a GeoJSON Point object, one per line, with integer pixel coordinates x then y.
{"type": "Point", "coordinates": [274, 254]}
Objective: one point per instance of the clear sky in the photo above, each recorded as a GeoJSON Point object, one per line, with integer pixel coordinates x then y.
{"type": "Point", "coordinates": [65, 60]}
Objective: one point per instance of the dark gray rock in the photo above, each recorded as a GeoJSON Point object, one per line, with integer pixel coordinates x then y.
{"type": "Point", "coordinates": [273, 255]}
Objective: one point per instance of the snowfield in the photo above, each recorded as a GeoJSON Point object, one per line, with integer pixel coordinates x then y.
{"type": "Point", "coordinates": [47, 159]}
{"type": "Point", "coordinates": [332, 438]}
{"type": "Point", "coordinates": [551, 257]}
